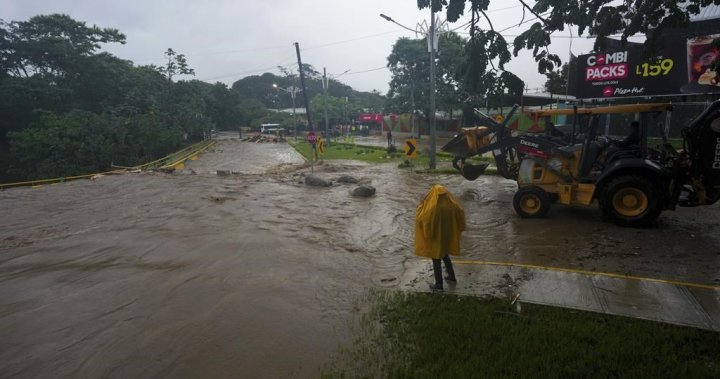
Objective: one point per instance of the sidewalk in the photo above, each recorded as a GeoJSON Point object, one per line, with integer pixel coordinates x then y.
{"type": "Point", "coordinates": [688, 304]}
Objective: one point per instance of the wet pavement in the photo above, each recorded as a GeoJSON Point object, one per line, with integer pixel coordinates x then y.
{"type": "Point", "coordinates": [256, 275]}
{"type": "Point", "coordinates": [686, 304]}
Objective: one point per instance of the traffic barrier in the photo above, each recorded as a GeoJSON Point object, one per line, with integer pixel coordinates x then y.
{"type": "Point", "coordinates": [174, 160]}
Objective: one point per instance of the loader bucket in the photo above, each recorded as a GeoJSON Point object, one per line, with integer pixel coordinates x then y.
{"type": "Point", "coordinates": [472, 172]}
{"type": "Point", "coordinates": [458, 146]}
{"type": "Point", "coordinates": [467, 143]}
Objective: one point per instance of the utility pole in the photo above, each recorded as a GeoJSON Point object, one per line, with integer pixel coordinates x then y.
{"type": "Point", "coordinates": [412, 114]}
{"type": "Point", "coordinates": [292, 90]}
{"type": "Point", "coordinates": [325, 87]}
{"type": "Point", "coordinates": [302, 83]}
{"type": "Point", "coordinates": [431, 39]}
{"type": "Point", "coordinates": [431, 44]}
{"type": "Point", "coordinates": [292, 94]}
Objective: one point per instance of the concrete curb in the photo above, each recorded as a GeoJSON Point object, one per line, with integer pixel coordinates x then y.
{"type": "Point", "coordinates": [643, 299]}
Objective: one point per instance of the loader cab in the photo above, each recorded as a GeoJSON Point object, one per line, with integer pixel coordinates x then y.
{"type": "Point", "coordinates": [599, 133]}
{"type": "Point", "coordinates": [632, 182]}
{"type": "Point", "coordinates": [702, 145]}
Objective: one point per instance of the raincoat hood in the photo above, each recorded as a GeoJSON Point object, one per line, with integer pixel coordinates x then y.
{"type": "Point", "coordinates": [439, 221]}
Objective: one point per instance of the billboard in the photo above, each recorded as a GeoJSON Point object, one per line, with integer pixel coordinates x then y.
{"type": "Point", "coordinates": [626, 73]}
{"type": "Point", "coordinates": [682, 67]}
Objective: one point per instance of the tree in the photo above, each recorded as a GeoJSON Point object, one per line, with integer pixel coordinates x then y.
{"type": "Point", "coordinates": [43, 62]}
{"type": "Point", "coordinates": [487, 51]}
{"type": "Point", "coordinates": [556, 80]}
{"type": "Point", "coordinates": [250, 110]}
{"type": "Point", "coordinates": [561, 81]}
{"type": "Point", "coordinates": [50, 45]}
{"type": "Point", "coordinates": [66, 108]}
{"type": "Point", "coordinates": [176, 65]}
{"type": "Point", "coordinates": [335, 110]}
{"type": "Point", "coordinates": [409, 64]}
{"type": "Point", "coordinates": [224, 107]}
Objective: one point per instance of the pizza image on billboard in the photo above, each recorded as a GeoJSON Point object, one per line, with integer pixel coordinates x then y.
{"type": "Point", "coordinates": [701, 53]}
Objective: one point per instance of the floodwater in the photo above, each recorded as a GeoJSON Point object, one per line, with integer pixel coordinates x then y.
{"type": "Point", "coordinates": [257, 275]}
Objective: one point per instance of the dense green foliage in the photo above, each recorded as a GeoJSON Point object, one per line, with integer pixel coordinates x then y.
{"type": "Point", "coordinates": [67, 108]}
{"type": "Point", "coordinates": [562, 80]}
{"type": "Point", "coordinates": [346, 103]}
{"type": "Point", "coordinates": [410, 68]}
{"type": "Point", "coordinates": [421, 335]}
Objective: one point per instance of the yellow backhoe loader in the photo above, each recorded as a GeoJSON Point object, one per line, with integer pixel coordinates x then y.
{"type": "Point", "coordinates": [632, 184]}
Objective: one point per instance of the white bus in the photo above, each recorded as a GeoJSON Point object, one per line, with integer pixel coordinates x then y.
{"type": "Point", "coordinates": [274, 129]}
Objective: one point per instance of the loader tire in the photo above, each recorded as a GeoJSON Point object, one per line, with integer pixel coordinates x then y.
{"type": "Point", "coordinates": [531, 202]}
{"type": "Point", "coordinates": [630, 200]}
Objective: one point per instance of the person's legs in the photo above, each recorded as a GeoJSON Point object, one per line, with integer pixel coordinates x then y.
{"type": "Point", "coordinates": [437, 271]}
{"type": "Point", "coordinates": [449, 267]}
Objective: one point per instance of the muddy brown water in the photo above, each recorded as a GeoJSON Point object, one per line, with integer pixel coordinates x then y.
{"type": "Point", "coordinates": [256, 275]}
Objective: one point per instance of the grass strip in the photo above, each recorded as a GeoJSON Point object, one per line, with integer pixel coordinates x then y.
{"type": "Point", "coordinates": [377, 154]}
{"type": "Point", "coordinates": [422, 335]}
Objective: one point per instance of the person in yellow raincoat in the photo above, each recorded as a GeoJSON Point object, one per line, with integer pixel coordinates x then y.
{"type": "Point", "coordinates": [439, 221]}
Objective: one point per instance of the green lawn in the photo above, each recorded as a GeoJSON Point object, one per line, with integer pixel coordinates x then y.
{"type": "Point", "coordinates": [421, 335]}
{"type": "Point", "coordinates": [374, 154]}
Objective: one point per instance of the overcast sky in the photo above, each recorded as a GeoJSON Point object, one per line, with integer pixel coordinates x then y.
{"type": "Point", "coordinates": [226, 40]}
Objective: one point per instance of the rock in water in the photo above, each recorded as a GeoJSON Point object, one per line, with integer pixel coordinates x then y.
{"type": "Point", "coordinates": [364, 191]}
{"type": "Point", "coordinates": [347, 179]}
{"type": "Point", "coordinates": [316, 181]}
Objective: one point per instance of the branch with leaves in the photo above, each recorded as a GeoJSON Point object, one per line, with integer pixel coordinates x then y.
{"type": "Point", "coordinates": [176, 65]}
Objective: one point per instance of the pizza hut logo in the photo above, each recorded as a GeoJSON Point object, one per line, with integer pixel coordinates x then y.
{"type": "Point", "coordinates": [608, 91]}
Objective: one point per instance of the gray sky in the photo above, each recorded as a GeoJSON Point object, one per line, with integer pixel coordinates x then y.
{"type": "Point", "coordinates": [226, 40]}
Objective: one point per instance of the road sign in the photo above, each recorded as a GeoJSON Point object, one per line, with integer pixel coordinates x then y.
{"type": "Point", "coordinates": [411, 148]}
{"type": "Point", "coordinates": [321, 146]}
{"type": "Point", "coordinates": [311, 137]}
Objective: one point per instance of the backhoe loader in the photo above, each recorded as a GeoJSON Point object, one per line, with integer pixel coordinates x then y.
{"type": "Point", "coordinates": [632, 184]}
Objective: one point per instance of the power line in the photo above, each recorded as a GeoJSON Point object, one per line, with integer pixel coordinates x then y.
{"type": "Point", "coordinates": [350, 40]}
{"type": "Point", "coordinates": [254, 71]}
{"type": "Point", "coordinates": [261, 69]}
{"type": "Point", "coordinates": [364, 71]}
{"type": "Point", "coordinates": [239, 51]}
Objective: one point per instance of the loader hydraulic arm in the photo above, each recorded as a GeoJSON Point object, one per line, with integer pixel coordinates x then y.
{"type": "Point", "coordinates": [491, 137]}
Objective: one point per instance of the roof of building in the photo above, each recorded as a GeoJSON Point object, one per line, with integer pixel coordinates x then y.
{"type": "Point", "coordinates": [289, 110]}
{"type": "Point", "coordinates": [709, 12]}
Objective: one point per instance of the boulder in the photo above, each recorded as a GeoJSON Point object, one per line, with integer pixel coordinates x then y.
{"type": "Point", "coordinates": [364, 191]}
{"type": "Point", "coordinates": [347, 179]}
{"type": "Point", "coordinates": [316, 181]}
{"type": "Point", "coordinates": [223, 172]}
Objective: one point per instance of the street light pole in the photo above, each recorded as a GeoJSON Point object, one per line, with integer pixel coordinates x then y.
{"type": "Point", "coordinates": [292, 90]}
{"type": "Point", "coordinates": [412, 114]}
{"type": "Point", "coordinates": [325, 87]}
{"type": "Point", "coordinates": [430, 34]}
{"type": "Point", "coordinates": [433, 132]}
{"type": "Point", "coordinates": [292, 95]}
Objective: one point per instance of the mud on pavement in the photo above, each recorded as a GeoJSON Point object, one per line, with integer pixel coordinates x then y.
{"type": "Point", "coordinates": [254, 274]}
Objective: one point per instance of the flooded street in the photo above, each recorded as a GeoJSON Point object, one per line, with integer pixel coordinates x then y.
{"type": "Point", "coordinates": [256, 275]}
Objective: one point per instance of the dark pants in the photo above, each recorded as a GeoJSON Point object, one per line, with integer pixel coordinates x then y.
{"type": "Point", "coordinates": [437, 270]}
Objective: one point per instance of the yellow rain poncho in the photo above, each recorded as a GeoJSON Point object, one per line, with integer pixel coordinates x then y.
{"type": "Point", "coordinates": [439, 220]}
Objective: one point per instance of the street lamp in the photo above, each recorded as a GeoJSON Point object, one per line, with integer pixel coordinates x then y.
{"type": "Point", "coordinates": [432, 34]}
{"type": "Point", "coordinates": [292, 90]}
